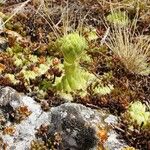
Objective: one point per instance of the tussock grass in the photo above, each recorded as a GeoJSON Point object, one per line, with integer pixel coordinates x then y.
{"type": "Point", "coordinates": [131, 48]}
{"type": "Point", "coordinates": [133, 52]}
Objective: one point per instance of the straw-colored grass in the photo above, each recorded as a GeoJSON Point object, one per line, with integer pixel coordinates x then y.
{"type": "Point", "coordinates": [132, 50]}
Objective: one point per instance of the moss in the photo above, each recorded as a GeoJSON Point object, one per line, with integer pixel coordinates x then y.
{"type": "Point", "coordinates": [16, 49]}
{"type": "Point", "coordinates": [45, 85]}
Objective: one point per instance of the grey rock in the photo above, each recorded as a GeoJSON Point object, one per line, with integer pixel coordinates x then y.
{"type": "Point", "coordinates": [78, 125]}
{"type": "Point", "coordinates": [24, 131]}
{"type": "Point", "coordinates": [113, 143]}
{"type": "Point", "coordinates": [7, 95]}
{"type": "Point", "coordinates": [3, 43]}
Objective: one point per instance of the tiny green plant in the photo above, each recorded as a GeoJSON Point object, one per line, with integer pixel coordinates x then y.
{"type": "Point", "coordinates": [136, 124]}
{"type": "Point", "coordinates": [118, 18]}
{"type": "Point", "coordinates": [137, 112]}
{"type": "Point", "coordinates": [103, 90]}
{"type": "Point", "coordinates": [73, 47]}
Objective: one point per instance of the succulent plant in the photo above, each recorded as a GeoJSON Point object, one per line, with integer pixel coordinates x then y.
{"type": "Point", "coordinates": [118, 18]}
{"type": "Point", "coordinates": [75, 78]}
{"type": "Point", "coordinates": [103, 90]}
{"type": "Point", "coordinates": [72, 46]}
{"type": "Point", "coordinates": [138, 113]}
{"type": "Point", "coordinates": [38, 145]}
{"type": "Point", "coordinates": [136, 124]}
{"type": "Point", "coordinates": [12, 78]}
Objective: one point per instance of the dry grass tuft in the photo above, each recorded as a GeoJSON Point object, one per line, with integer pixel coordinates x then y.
{"type": "Point", "coordinates": [133, 50]}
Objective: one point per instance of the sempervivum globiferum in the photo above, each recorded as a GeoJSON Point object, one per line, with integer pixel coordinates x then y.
{"type": "Point", "coordinates": [72, 46]}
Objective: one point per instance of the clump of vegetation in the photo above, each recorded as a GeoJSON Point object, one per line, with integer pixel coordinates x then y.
{"type": "Point", "coordinates": [21, 113]}
{"type": "Point", "coordinates": [132, 51]}
{"type": "Point", "coordinates": [103, 90]}
{"type": "Point", "coordinates": [137, 113]}
{"type": "Point", "coordinates": [73, 47]}
{"type": "Point", "coordinates": [128, 148]}
{"type": "Point", "coordinates": [118, 18]}
{"type": "Point", "coordinates": [26, 67]}
{"type": "Point", "coordinates": [136, 124]}
{"type": "Point", "coordinates": [38, 145]}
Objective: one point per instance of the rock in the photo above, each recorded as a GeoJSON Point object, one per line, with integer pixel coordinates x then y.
{"type": "Point", "coordinates": [79, 127]}
{"type": "Point", "coordinates": [26, 129]}
{"type": "Point", "coordinates": [3, 44]}
{"type": "Point", "coordinates": [113, 142]}
{"type": "Point", "coordinates": [76, 127]}
{"type": "Point", "coordinates": [8, 95]}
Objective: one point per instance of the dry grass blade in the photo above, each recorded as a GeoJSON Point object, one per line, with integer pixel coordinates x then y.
{"type": "Point", "coordinates": [19, 8]}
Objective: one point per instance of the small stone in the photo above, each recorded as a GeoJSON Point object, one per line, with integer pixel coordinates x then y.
{"type": "Point", "coordinates": [7, 95]}
{"type": "Point", "coordinates": [3, 44]}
